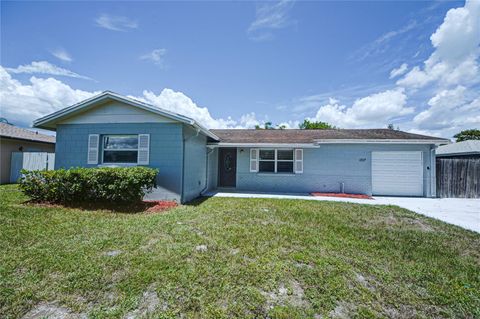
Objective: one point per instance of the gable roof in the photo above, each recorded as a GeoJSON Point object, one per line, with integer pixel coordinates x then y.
{"type": "Point", "coordinates": [14, 132]}
{"type": "Point", "coordinates": [298, 136]}
{"type": "Point", "coordinates": [49, 121]}
{"type": "Point", "coordinates": [470, 147]}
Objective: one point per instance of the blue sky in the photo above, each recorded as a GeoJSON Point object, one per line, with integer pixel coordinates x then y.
{"type": "Point", "coordinates": [236, 64]}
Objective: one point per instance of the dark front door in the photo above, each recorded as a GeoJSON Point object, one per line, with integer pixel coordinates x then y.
{"type": "Point", "coordinates": [227, 167]}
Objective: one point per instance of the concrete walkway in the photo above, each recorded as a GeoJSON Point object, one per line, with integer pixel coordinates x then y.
{"type": "Point", "coordinates": [457, 211]}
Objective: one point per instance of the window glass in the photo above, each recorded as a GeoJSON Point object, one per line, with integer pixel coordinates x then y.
{"type": "Point", "coordinates": [285, 167]}
{"type": "Point", "coordinates": [267, 154]}
{"type": "Point", "coordinates": [116, 142]}
{"type": "Point", "coordinates": [120, 148]}
{"type": "Point", "coordinates": [266, 166]}
{"type": "Point", "coordinates": [120, 156]}
{"type": "Point", "coordinates": [285, 155]}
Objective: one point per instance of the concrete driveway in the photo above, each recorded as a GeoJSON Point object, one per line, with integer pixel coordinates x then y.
{"type": "Point", "coordinates": [462, 212]}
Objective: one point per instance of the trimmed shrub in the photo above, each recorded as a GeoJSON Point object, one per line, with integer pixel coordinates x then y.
{"type": "Point", "coordinates": [102, 185]}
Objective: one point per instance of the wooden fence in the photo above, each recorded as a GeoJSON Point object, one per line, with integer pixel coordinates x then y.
{"type": "Point", "coordinates": [30, 161]}
{"type": "Point", "coordinates": [458, 177]}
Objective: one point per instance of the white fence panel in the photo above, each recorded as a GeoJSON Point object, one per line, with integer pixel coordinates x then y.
{"type": "Point", "coordinates": [30, 161]}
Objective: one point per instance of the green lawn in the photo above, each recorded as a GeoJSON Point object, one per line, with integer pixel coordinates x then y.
{"type": "Point", "coordinates": [263, 257]}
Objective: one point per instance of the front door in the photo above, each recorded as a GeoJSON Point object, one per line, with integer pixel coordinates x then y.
{"type": "Point", "coordinates": [227, 167]}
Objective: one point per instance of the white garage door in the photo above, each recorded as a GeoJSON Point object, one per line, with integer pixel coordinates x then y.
{"type": "Point", "coordinates": [397, 173]}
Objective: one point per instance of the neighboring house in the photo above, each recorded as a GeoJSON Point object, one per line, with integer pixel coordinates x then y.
{"type": "Point", "coordinates": [113, 130]}
{"type": "Point", "coordinates": [465, 149]}
{"type": "Point", "coordinates": [16, 139]}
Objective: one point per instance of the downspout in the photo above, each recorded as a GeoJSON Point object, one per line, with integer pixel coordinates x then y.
{"type": "Point", "coordinates": [209, 151]}
{"type": "Point", "coordinates": [183, 162]}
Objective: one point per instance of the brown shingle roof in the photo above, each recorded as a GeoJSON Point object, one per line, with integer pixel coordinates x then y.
{"type": "Point", "coordinates": [10, 131]}
{"type": "Point", "coordinates": [311, 136]}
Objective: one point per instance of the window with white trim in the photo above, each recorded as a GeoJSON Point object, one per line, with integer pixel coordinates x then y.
{"type": "Point", "coordinates": [120, 149]}
{"type": "Point", "coordinates": [275, 161]}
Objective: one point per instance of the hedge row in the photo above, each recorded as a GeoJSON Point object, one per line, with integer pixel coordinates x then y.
{"type": "Point", "coordinates": [106, 184]}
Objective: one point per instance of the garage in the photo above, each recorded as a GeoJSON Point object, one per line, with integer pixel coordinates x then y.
{"type": "Point", "coordinates": [397, 173]}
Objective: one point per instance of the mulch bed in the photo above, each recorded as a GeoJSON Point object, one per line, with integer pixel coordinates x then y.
{"type": "Point", "coordinates": [342, 195]}
{"type": "Point", "coordinates": [155, 206]}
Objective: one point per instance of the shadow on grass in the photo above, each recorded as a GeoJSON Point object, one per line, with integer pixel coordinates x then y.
{"type": "Point", "coordinates": [197, 201]}
{"type": "Point", "coordinates": [126, 208]}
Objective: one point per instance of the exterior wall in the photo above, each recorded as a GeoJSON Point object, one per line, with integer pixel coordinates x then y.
{"type": "Point", "coordinates": [166, 150]}
{"type": "Point", "coordinates": [212, 168]}
{"type": "Point", "coordinates": [326, 167]}
{"type": "Point", "coordinates": [7, 146]}
{"type": "Point", "coordinates": [195, 164]}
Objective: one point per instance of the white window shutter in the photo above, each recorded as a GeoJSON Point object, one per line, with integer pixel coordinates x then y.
{"type": "Point", "coordinates": [298, 161]}
{"type": "Point", "coordinates": [253, 160]}
{"type": "Point", "coordinates": [93, 144]}
{"type": "Point", "coordinates": [143, 149]}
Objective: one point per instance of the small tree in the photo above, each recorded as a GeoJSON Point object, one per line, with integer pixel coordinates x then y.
{"type": "Point", "coordinates": [266, 126]}
{"type": "Point", "coordinates": [310, 125]}
{"type": "Point", "coordinates": [473, 134]}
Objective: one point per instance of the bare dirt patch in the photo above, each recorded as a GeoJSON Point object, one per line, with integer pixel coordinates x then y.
{"type": "Point", "coordinates": [394, 222]}
{"type": "Point", "coordinates": [148, 304]}
{"type": "Point", "coordinates": [343, 310]}
{"type": "Point", "coordinates": [52, 310]}
{"type": "Point", "coordinates": [291, 294]}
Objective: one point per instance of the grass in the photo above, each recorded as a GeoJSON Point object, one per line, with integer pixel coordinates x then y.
{"type": "Point", "coordinates": [263, 258]}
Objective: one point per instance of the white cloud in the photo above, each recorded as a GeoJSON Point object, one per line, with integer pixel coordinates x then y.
{"type": "Point", "coordinates": [269, 17]}
{"type": "Point", "coordinates": [452, 110]}
{"type": "Point", "coordinates": [44, 67]}
{"type": "Point", "coordinates": [22, 103]}
{"type": "Point", "coordinates": [399, 71]}
{"type": "Point", "coordinates": [157, 56]}
{"type": "Point", "coordinates": [115, 23]}
{"type": "Point", "coordinates": [62, 54]}
{"type": "Point", "coordinates": [374, 110]}
{"type": "Point", "coordinates": [179, 103]}
{"type": "Point", "coordinates": [455, 59]}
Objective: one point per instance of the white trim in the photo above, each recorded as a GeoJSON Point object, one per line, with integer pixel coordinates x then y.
{"type": "Point", "coordinates": [263, 145]}
{"type": "Point", "coordinates": [46, 121]}
{"type": "Point", "coordinates": [380, 141]}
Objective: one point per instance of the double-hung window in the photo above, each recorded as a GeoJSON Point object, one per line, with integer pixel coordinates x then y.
{"type": "Point", "coordinates": [275, 161]}
{"type": "Point", "coordinates": [120, 149]}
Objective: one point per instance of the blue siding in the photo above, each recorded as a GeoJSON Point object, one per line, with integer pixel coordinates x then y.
{"type": "Point", "coordinates": [212, 168]}
{"type": "Point", "coordinates": [325, 168]}
{"type": "Point", "coordinates": [166, 150]}
{"type": "Point", "coordinates": [195, 164]}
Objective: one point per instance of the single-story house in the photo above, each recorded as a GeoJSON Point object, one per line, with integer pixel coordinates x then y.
{"type": "Point", "coordinates": [110, 129]}
{"type": "Point", "coordinates": [16, 139]}
{"type": "Point", "coordinates": [465, 149]}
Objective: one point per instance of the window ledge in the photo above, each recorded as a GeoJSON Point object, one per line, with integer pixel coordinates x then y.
{"type": "Point", "coordinates": [117, 165]}
{"type": "Point", "coordinates": [275, 174]}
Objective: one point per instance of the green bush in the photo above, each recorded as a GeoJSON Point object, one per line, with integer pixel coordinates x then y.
{"type": "Point", "coordinates": [100, 185]}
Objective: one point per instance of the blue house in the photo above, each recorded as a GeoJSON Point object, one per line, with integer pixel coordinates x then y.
{"type": "Point", "coordinates": [113, 130]}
